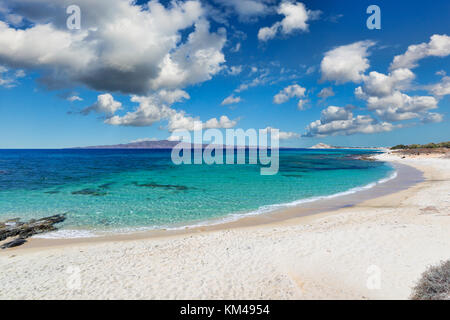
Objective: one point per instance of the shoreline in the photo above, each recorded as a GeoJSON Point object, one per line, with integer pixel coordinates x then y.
{"type": "Point", "coordinates": [321, 256]}
{"type": "Point", "coordinates": [402, 178]}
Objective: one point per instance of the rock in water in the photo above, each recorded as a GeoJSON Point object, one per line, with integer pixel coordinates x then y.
{"type": "Point", "coordinates": [23, 230]}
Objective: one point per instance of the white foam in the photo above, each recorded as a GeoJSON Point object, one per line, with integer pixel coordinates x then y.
{"type": "Point", "coordinates": [67, 233]}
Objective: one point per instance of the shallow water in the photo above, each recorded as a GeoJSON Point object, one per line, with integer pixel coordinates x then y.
{"type": "Point", "coordinates": [131, 189]}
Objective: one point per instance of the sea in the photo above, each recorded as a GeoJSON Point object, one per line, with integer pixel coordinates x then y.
{"type": "Point", "coordinates": [126, 190]}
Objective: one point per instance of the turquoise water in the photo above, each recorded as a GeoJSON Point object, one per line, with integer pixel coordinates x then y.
{"type": "Point", "coordinates": [123, 189]}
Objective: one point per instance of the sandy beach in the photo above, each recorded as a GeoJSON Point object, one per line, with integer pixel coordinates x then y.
{"type": "Point", "coordinates": [376, 249]}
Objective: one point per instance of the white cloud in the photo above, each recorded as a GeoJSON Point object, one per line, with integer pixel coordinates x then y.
{"type": "Point", "coordinates": [259, 80]}
{"type": "Point", "coordinates": [440, 89]}
{"type": "Point", "coordinates": [289, 92]}
{"type": "Point", "coordinates": [151, 109]}
{"type": "Point", "coordinates": [333, 113]}
{"type": "Point", "coordinates": [383, 96]}
{"type": "Point", "coordinates": [339, 121]}
{"type": "Point", "coordinates": [231, 100]}
{"type": "Point", "coordinates": [326, 93]}
{"type": "Point", "coordinates": [20, 73]}
{"type": "Point", "coordinates": [346, 63]}
{"type": "Point", "coordinates": [235, 70]}
{"type": "Point", "coordinates": [143, 140]}
{"type": "Point", "coordinates": [268, 33]}
{"type": "Point", "coordinates": [105, 105]}
{"type": "Point", "coordinates": [172, 96]}
{"type": "Point", "coordinates": [74, 98]}
{"type": "Point", "coordinates": [432, 117]}
{"type": "Point", "coordinates": [281, 135]}
{"type": "Point", "coordinates": [295, 18]}
{"type": "Point", "coordinates": [174, 138]}
{"type": "Point", "coordinates": [223, 122]}
{"type": "Point", "coordinates": [157, 107]}
{"type": "Point", "coordinates": [438, 46]}
{"type": "Point", "coordinates": [380, 85]}
{"type": "Point", "coordinates": [302, 104]}
{"type": "Point", "coordinates": [8, 78]}
{"type": "Point", "coordinates": [127, 48]}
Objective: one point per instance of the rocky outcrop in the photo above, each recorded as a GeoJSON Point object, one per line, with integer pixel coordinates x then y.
{"type": "Point", "coordinates": [22, 230]}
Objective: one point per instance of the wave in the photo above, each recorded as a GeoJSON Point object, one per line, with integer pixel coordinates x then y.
{"type": "Point", "coordinates": [71, 233]}
{"type": "Point", "coordinates": [67, 234]}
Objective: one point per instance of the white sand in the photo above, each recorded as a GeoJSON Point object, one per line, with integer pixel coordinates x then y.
{"type": "Point", "coordinates": [329, 256]}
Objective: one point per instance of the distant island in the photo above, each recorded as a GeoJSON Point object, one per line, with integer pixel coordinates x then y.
{"type": "Point", "coordinates": [157, 144]}
{"type": "Point", "coordinates": [166, 144]}
{"type": "Point", "coordinates": [326, 146]}
{"type": "Point", "coordinates": [322, 146]}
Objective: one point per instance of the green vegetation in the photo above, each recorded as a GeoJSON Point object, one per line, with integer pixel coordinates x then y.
{"type": "Point", "coordinates": [422, 146]}
{"type": "Point", "coordinates": [434, 283]}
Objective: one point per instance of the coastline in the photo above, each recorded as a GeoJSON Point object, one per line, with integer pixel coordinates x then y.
{"type": "Point", "coordinates": [402, 178]}
{"type": "Point", "coordinates": [324, 255]}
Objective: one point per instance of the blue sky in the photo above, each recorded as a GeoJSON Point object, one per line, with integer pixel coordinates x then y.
{"type": "Point", "coordinates": [311, 69]}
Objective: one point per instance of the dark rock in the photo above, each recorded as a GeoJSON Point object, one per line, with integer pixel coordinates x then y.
{"type": "Point", "coordinates": [90, 192]}
{"type": "Point", "coordinates": [14, 243]}
{"type": "Point", "coordinates": [164, 186]}
{"type": "Point", "coordinates": [14, 227]}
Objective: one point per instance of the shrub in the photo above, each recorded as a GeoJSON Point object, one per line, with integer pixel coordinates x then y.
{"type": "Point", "coordinates": [434, 283]}
{"type": "Point", "coordinates": [417, 146]}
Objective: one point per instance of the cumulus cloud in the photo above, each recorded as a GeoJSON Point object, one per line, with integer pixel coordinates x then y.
{"type": "Point", "coordinates": [326, 93]}
{"type": "Point", "coordinates": [333, 113]}
{"type": "Point", "coordinates": [379, 85]}
{"type": "Point", "coordinates": [105, 105]}
{"type": "Point", "coordinates": [231, 100]}
{"type": "Point", "coordinates": [438, 46]}
{"type": "Point", "coordinates": [440, 89]}
{"type": "Point", "coordinates": [340, 121]}
{"type": "Point", "coordinates": [346, 63]}
{"type": "Point", "coordinates": [289, 92]}
{"type": "Point", "coordinates": [128, 48]}
{"type": "Point", "coordinates": [281, 135]}
{"type": "Point", "coordinates": [295, 18]}
{"type": "Point", "coordinates": [223, 122]}
{"type": "Point", "coordinates": [383, 96]}
{"type": "Point", "coordinates": [158, 107]}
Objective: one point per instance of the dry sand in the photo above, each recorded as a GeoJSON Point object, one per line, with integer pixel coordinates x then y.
{"type": "Point", "coordinates": [374, 250]}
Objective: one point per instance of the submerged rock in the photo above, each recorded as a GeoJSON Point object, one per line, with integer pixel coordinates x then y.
{"type": "Point", "coordinates": [23, 230]}
{"type": "Point", "coordinates": [90, 192]}
{"type": "Point", "coordinates": [164, 186]}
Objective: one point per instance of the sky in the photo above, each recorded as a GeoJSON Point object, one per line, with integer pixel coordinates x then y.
{"type": "Point", "coordinates": [139, 70]}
